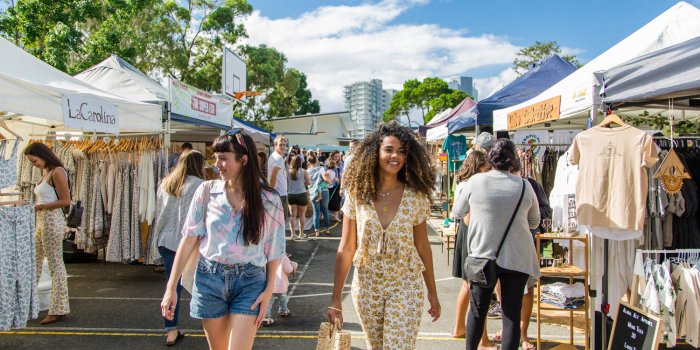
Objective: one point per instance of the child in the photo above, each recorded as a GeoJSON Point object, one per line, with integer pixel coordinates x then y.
{"type": "Point", "coordinates": [285, 267]}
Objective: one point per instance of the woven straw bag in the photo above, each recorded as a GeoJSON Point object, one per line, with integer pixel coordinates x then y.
{"type": "Point", "coordinates": [331, 337]}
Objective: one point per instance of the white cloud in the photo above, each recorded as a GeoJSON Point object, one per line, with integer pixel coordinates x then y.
{"type": "Point", "coordinates": [487, 86]}
{"type": "Point", "coordinates": [338, 45]}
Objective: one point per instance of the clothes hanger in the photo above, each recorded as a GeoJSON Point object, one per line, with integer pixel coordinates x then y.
{"type": "Point", "coordinates": [610, 119]}
{"type": "Point", "coordinates": [4, 126]}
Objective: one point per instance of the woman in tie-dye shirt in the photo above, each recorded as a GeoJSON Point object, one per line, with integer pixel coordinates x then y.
{"type": "Point", "coordinates": [237, 223]}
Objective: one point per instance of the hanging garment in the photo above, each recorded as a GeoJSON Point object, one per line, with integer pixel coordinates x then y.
{"type": "Point", "coordinates": [8, 168]}
{"type": "Point", "coordinates": [18, 278]}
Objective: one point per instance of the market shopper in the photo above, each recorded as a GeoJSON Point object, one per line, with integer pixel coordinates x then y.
{"type": "Point", "coordinates": [262, 160]}
{"type": "Point", "coordinates": [52, 197]}
{"type": "Point", "coordinates": [474, 164]}
{"type": "Point", "coordinates": [318, 192]}
{"type": "Point", "coordinates": [298, 197]}
{"type": "Point", "coordinates": [491, 199]}
{"type": "Point", "coordinates": [277, 172]}
{"type": "Point", "coordinates": [173, 200]}
{"type": "Point", "coordinates": [335, 193]}
{"type": "Point", "coordinates": [385, 236]}
{"type": "Point", "coordinates": [237, 226]}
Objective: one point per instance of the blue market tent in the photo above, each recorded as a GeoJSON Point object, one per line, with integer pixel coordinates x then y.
{"type": "Point", "coordinates": [529, 85]}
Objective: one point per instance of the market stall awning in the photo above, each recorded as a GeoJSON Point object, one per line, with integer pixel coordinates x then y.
{"type": "Point", "coordinates": [35, 90]}
{"type": "Point", "coordinates": [122, 79]}
{"type": "Point", "coordinates": [259, 135]}
{"type": "Point", "coordinates": [677, 24]}
{"type": "Point", "coordinates": [672, 72]}
{"type": "Point", "coordinates": [462, 107]}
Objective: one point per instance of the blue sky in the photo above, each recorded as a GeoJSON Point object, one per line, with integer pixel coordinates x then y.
{"type": "Point", "coordinates": [338, 42]}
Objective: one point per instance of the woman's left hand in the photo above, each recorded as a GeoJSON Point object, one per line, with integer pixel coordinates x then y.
{"type": "Point", "coordinates": [38, 207]}
{"type": "Point", "coordinates": [434, 310]}
{"type": "Point", "coordinates": [263, 300]}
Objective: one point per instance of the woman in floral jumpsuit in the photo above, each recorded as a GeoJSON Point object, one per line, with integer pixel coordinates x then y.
{"type": "Point", "coordinates": [385, 237]}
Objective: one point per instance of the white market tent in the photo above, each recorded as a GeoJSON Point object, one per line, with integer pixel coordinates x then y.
{"type": "Point", "coordinates": [31, 90]}
{"type": "Point", "coordinates": [579, 97]}
{"type": "Point", "coordinates": [121, 78]}
{"type": "Point", "coordinates": [440, 132]}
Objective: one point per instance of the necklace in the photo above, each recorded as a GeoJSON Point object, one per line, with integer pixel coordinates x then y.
{"type": "Point", "coordinates": [384, 194]}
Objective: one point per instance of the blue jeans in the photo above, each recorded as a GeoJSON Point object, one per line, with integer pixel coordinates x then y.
{"type": "Point", "coordinates": [321, 206]}
{"type": "Point", "coordinates": [168, 259]}
{"type": "Point", "coordinates": [283, 298]}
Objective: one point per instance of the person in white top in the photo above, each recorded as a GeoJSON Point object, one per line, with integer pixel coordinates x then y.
{"type": "Point", "coordinates": [52, 195]}
{"type": "Point", "coordinates": [277, 172]}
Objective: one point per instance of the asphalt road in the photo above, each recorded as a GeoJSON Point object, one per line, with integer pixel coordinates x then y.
{"type": "Point", "coordinates": [115, 306]}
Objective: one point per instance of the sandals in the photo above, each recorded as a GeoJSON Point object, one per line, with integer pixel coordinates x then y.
{"type": "Point", "coordinates": [530, 343]}
{"type": "Point", "coordinates": [180, 335]}
{"type": "Point", "coordinates": [268, 322]}
{"type": "Point", "coordinates": [285, 314]}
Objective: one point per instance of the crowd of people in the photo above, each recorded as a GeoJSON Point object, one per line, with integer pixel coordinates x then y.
{"type": "Point", "coordinates": [227, 236]}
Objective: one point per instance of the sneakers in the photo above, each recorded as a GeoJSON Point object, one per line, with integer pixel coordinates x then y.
{"type": "Point", "coordinates": [267, 322]}
{"type": "Point", "coordinates": [495, 310]}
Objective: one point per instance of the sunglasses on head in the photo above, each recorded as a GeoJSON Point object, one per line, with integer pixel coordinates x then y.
{"type": "Point", "coordinates": [237, 135]}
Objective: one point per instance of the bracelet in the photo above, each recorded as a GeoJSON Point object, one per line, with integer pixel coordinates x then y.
{"type": "Point", "coordinates": [335, 308]}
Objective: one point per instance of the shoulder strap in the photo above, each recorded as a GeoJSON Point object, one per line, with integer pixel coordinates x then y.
{"type": "Point", "coordinates": [517, 207]}
{"type": "Point", "coordinates": [70, 196]}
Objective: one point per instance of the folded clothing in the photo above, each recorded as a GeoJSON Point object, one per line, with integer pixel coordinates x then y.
{"type": "Point", "coordinates": [576, 290]}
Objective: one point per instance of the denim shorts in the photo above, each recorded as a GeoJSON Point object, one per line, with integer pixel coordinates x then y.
{"type": "Point", "coordinates": [219, 290]}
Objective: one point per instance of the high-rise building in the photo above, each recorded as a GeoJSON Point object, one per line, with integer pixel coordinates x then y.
{"type": "Point", "coordinates": [366, 101]}
{"type": "Point", "coordinates": [465, 84]}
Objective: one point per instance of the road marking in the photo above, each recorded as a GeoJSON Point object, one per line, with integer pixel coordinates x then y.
{"type": "Point", "coordinates": [301, 275]}
{"type": "Point", "coordinates": [261, 334]}
{"type": "Point", "coordinates": [446, 279]}
{"type": "Point", "coordinates": [316, 295]}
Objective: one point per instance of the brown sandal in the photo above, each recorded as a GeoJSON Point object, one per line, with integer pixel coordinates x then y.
{"type": "Point", "coordinates": [52, 319]}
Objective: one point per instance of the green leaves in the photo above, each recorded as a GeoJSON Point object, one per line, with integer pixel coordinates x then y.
{"type": "Point", "coordinates": [529, 56]}
{"type": "Point", "coordinates": [431, 96]}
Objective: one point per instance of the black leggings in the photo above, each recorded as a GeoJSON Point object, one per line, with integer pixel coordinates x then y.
{"type": "Point", "coordinates": [512, 289]}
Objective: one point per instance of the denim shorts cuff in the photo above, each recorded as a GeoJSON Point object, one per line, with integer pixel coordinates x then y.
{"type": "Point", "coordinates": [245, 312]}
{"type": "Point", "coordinates": [199, 317]}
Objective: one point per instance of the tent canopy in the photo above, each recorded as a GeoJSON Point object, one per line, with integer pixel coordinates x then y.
{"type": "Point", "coordinates": [259, 135]}
{"type": "Point", "coordinates": [672, 72]}
{"type": "Point", "coordinates": [677, 24]}
{"type": "Point", "coordinates": [462, 107]}
{"type": "Point", "coordinates": [121, 78]}
{"type": "Point", "coordinates": [34, 89]}
{"type": "Point", "coordinates": [539, 78]}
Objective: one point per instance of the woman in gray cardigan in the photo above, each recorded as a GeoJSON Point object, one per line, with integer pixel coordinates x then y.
{"type": "Point", "coordinates": [491, 198]}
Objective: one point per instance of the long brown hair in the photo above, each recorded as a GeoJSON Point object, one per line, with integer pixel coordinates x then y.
{"type": "Point", "coordinates": [190, 163]}
{"type": "Point", "coordinates": [362, 176]}
{"type": "Point", "coordinates": [253, 184]}
{"type": "Point", "coordinates": [43, 152]}
{"type": "Point", "coordinates": [294, 166]}
{"type": "Point", "coordinates": [471, 166]}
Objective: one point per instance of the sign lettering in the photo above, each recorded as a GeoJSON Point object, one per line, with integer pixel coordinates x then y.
{"type": "Point", "coordinates": [89, 114]}
{"type": "Point", "coordinates": [188, 101]}
{"type": "Point", "coordinates": [540, 112]}
{"type": "Point", "coordinates": [634, 330]}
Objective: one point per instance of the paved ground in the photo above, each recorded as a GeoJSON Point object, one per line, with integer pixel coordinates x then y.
{"type": "Point", "coordinates": [116, 306]}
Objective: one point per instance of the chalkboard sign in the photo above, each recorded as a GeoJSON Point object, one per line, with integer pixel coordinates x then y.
{"type": "Point", "coordinates": [634, 329]}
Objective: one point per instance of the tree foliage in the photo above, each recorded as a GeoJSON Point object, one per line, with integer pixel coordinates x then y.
{"type": "Point", "coordinates": [284, 90]}
{"type": "Point", "coordinates": [529, 56]}
{"type": "Point", "coordinates": [430, 96]}
{"type": "Point", "coordinates": [182, 39]}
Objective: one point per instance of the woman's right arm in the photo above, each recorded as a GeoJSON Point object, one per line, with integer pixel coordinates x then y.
{"type": "Point", "coordinates": [184, 250]}
{"type": "Point", "coordinates": [343, 261]}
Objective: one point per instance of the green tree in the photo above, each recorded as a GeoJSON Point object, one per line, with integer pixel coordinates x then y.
{"type": "Point", "coordinates": [305, 99]}
{"type": "Point", "coordinates": [431, 96]}
{"type": "Point", "coordinates": [533, 54]}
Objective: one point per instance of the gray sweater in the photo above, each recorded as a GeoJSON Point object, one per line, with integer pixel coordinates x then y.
{"type": "Point", "coordinates": [491, 198]}
{"type": "Point", "coordinates": [171, 213]}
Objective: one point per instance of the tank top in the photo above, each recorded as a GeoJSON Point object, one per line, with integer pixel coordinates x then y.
{"type": "Point", "coordinates": [44, 192]}
{"type": "Point", "coordinates": [296, 186]}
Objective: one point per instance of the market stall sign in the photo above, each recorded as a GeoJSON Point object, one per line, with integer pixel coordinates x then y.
{"type": "Point", "coordinates": [89, 114]}
{"type": "Point", "coordinates": [540, 112]}
{"type": "Point", "coordinates": [191, 102]}
{"type": "Point", "coordinates": [634, 330]}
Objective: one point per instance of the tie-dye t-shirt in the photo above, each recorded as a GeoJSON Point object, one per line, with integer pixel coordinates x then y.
{"type": "Point", "coordinates": [222, 239]}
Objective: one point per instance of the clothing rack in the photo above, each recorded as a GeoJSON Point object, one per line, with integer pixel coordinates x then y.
{"type": "Point", "coordinates": [635, 279]}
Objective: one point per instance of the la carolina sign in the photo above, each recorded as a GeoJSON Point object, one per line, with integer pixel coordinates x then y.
{"type": "Point", "coordinates": [89, 114]}
{"type": "Point", "coordinates": [540, 112]}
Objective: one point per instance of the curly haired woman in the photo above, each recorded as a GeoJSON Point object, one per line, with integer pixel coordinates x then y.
{"type": "Point", "coordinates": [384, 235]}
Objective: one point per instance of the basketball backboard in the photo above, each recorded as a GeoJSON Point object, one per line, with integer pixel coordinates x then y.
{"type": "Point", "coordinates": [233, 78]}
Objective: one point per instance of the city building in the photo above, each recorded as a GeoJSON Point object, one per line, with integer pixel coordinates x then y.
{"type": "Point", "coordinates": [465, 84]}
{"type": "Point", "coordinates": [366, 101]}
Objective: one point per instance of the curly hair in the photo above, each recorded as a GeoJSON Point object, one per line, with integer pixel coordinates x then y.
{"type": "Point", "coordinates": [361, 178]}
{"type": "Point", "coordinates": [471, 166]}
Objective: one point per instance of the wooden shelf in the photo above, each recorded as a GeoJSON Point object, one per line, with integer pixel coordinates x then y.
{"type": "Point", "coordinates": [578, 237]}
{"type": "Point", "coordinates": [562, 271]}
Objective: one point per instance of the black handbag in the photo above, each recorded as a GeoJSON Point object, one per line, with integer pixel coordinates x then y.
{"type": "Point", "coordinates": [481, 272]}
{"type": "Point", "coordinates": [74, 213]}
